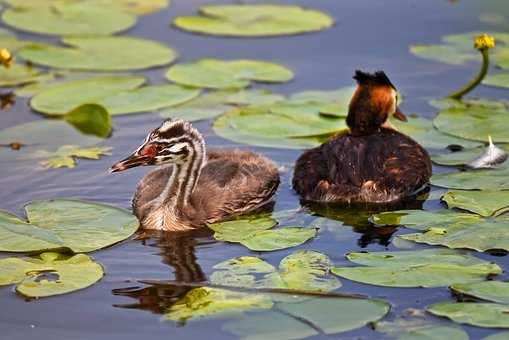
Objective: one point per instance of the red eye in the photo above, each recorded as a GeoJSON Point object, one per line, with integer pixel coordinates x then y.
{"type": "Point", "coordinates": [150, 150]}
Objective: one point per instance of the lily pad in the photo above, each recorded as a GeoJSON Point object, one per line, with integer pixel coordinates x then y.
{"type": "Point", "coordinates": [205, 301]}
{"type": "Point", "coordinates": [480, 236]}
{"type": "Point", "coordinates": [492, 179]}
{"type": "Point", "coordinates": [300, 320]}
{"type": "Point", "coordinates": [475, 122]}
{"type": "Point", "coordinates": [254, 233]}
{"type": "Point", "coordinates": [69, 19]}
{"type": "Point", "coordinates": [420, 268]}
{"type": "Point", "coordinates": [62, 223]}
{"type": "Point", "coordinates": [90, 119]}
{"type": "Point", "coordinates": [422, 131]}
{"type": "Point", "coordinates": [100, 54]}
{"type": "Point", "coordinates": [458, 49]}
{"type": "Point", "coordinates": [499, 80]}
{"type": "Point", "coordinates": [117, 94]}
{"type": "Point", "coordinates": [484, 203]}
{"type": "Point", "coordinates": [46, 134]}
{"type": "Point", "coordinates": [490, 315]}
{"type": "Point", "coordinates": [234, 74]}
{"type": "Point", "coordinates": [494, 291]}
{"type": "Point", "coordinates": [254, 20]}
{"type": "Point", "coordinates": [497, 336]}
{"type": "Point", "coordinates": [458, 158]}
{"type": "Point", "coordinates": [49, 274]}
{"type": "Point", "coordinates": [65, 156]}
{"type": "Point", "coordinates": [281, 125]}
{"type": "Point", "coordinates": [422, 219]}
{"type": "Point", "coordinates": [419, 329]}
{"type": "Point", "coordinates": [302, 270]}
{"type": "Point", "coordinates": [19, 74]}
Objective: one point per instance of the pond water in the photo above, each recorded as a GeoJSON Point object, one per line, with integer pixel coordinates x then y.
{"type": "Point", "coordinates": [368, 35]}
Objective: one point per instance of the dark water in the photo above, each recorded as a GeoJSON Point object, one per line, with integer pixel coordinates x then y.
{"type": "Point", "coordinates": [369, 35]}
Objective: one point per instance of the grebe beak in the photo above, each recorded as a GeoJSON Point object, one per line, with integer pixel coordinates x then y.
{"type": "Point", "coordinates": [400, 115]}
{"type": "Point", "coordinates": [132, 161]}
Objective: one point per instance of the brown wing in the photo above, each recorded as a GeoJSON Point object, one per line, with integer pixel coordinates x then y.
{"type": "Point", "coordinates": [380, 168]}
{"type": "Point", "coordinates": [234, 182]}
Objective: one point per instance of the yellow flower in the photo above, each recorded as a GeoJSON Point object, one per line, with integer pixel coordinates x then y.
{"type": "Point", "coordinates": [5, 57]}
{"type": "Point", "coordinates": [484, 42]}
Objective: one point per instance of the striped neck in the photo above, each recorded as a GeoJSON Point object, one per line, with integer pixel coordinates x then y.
{"type": "Point", "coordinates": [182, 182]}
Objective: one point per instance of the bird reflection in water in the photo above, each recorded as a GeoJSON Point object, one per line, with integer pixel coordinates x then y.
{"type": "Point", "coordinates": [178, 251]}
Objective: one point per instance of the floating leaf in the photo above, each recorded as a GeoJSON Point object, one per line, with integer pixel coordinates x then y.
{"type": "Point", "coordinates": [419, 268]}
{"type": "Point", "coordinates": [50, 274]}
{"type": "Point", "coordinates": [484, 203]}
{"type": "Point", "coordinates": [480, 236]}
{"type": "Point", "coordinates": [234, 74]}
{"type": "Point", "coordinates": [458, 49]}
{"type": "Point", "coordinates": [254, 20]}
{"type": "Point", "coordinates": [18, 74]}
{"type": "Point", "coordinates": [90, 119]}
{"type": "Point", "coordinates": [457, 158]}
{"type": "Point", "coordinates": [117, 94]}
{"type": "Point", "coordinates": [498, 336]}
{"type": "Point", "coordinates": [46, 133]}
{"type": "Point", "coordinates": [100, 54]}
{"type": "Point", "coordinates": [236, 230]}
{"type": "Point", "coordinates": [281, 125]}
{"type": "Point", "coordinates": [494, 291]}
{"type": "Point", "coordinates": [419, 329]}
{"type": "Point", "coordinates": [302, 270]}
{"type": "Point", "coordinates": [61, 223]}
{"type": "Point", "coordinates": [500, 80]}
{"type": "Point", "coordinates": [69, 19]}
{"type": "Point", "coordinates": [475, 314]}
{"type": "Point", "coordinates": [205, 301]}
{"type": "Point", "coordinates": [493, 179]}
{"type": "Point", "coordinates": [422, 131]}
{"type": "Point", "coordinates": [65, 156]}
{"type": "Point", "coordinates": [475, 122]}
{"type": "Point", "coordinates": [422, 219]}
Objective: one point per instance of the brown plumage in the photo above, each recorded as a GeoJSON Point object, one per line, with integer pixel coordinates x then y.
{"type": "Point", "coordinates": [197, 187]}
{"type": "Point", "coordinates": [372, 163]}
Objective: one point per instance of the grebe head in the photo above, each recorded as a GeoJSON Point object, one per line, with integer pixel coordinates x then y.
{"type": "Point", "coordinates": [173, 142]}
{"type": "Point", "coordinates": [374, 100]}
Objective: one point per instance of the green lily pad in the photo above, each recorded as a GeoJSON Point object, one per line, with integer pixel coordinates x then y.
{"type": "Point", "coordinates": [90, 119]}
{"type": "Point", "coordinates": [46, 134]}
{"type": "Point", "coordinates": [19, 74]}
{"type": "Point", "coordinates": [215, 103]}
{"type": "Point", "coordinates": [234, 74]}
{"type": "Point", "coordinates": [497, 336]}
{"type": "Point", "coordinates": [492, 179]}
{"type": "Point", "coordinates": [458, 158]}
{"type": "Point", "coordinates": [422, 131]}
{"type": "Point", "coordinates": [419, 329]}
{"type": "Point", "coordinates": [117, 94]}
{"type": "Point", "coordinates": [480, 236]}
{"type": "Point", "coordinates": [100, 54]}
{"type": "Point", "coordinates": [205, 301]}
{"type": "Point", "coordinates": [484, 203]}
{"type": "Point", "coordinates": [499, 80]}
{"type": "Point", "coordinates": [490, 315]}
{"type": "Point", "coordinates": [281, 125]}
{"type": "Point", "coordinates": [69, 19]}
{"type": "Point", "coordinates": [71, 273]}
{"type": "Point", "coordinates": [65, 156]}
{"type": "Point", "coordinates": [10, 42]}
{"type": "Point", "coordinates": [475, 122]}
{"type": "Point", "coordinates": [303, 270]}
{"type": "Point", "coordinates": [494, 291]}
{"type": "Point", "coordinates": [420, 268]}
{"type": "Point", "coordinates": [254, 20]}
{"type": "Point", "coordinates": [459, 49]}
{"type": "Point", "coordinates": [61, 223]}
{"type": "Point", "coordinates": [254, 233]}
{"type": "Point", "coordinates": [422, 219]}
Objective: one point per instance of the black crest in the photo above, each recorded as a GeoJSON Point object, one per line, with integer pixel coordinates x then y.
{"type": "Point", "coordinates": [377, 78]}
